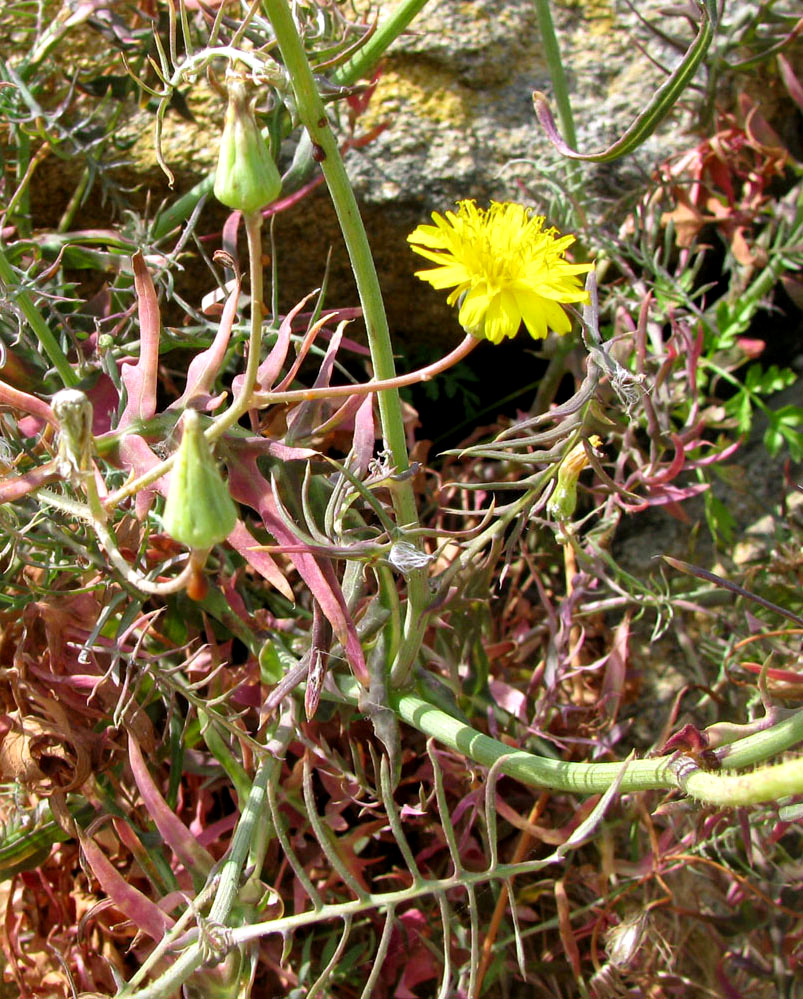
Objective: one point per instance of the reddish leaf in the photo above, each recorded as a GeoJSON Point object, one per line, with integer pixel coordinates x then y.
{"type": "Point", "coordinates": [270, 368]}
{"type": "Point", "coordinates": [25, 403]}
{"type": "Point", "coordinates": [20, 485]}
{"type": "Point", "coordinates": [140, 379]}
{"type": "Point", "coordinates": [249, 486]}
{"type": "Point", "coordinates": [791, 82]}
{"type": "Point", "coordinates": [204, 367]}
{"type": "Point", "coordinates": [244, 542]}
{"type": "Point", "coordinates": [364, 437]}
{"type": "Point", "coordinates": [567, 936]}
{"type": "Point", "coordinates": [616, 670]}
{"type": "Point", "coordinates": [143, 913]}
{"type": "Point", "coordinates": [173, 831]}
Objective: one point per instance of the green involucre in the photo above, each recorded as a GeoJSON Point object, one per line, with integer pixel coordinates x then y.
{"type": "Point", "coordinates": [199, 511]}
{"type": "Point", "coordinates": [246, 178]}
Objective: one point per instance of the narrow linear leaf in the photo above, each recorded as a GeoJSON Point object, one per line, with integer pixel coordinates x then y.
{"type": "Point", "coordinates": [710, 577]}
{"type": "Point", "coordinates": [658, 108]}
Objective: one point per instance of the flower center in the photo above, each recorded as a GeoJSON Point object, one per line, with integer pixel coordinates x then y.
{"type": "Point", "coordinates": [498, 244]}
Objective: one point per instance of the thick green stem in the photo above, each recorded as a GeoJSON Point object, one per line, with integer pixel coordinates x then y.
{"type": "Point", "coordinates": [640, 775]}
{"type": "Point", "coordinates": [313, 116]}
{"type": "Point", "coordinates": [764, 784]}
{"type": "Point", "coordinates": [253, 814]}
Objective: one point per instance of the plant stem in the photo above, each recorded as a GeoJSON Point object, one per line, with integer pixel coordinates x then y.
{"type": "Point", "coordinates": [369, 55]}
{"type": "Point", "coordinates": [640, 775]}
{"type": "Point", "coordinates": [424, 374]}
{"type": "Point", "coordinates": [764, 784]}
{"type": "Point", "coordinates": [243, 401]}
{"type": "Point", "coordinates": [560, 86]}
{"type": "Point", "coordinates": [253, 814]}
{"type": "Point", "coordinates": [557, 74]}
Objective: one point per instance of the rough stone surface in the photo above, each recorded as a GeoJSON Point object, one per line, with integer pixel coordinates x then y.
{"type": "Point", "coordinates": [455, 92]}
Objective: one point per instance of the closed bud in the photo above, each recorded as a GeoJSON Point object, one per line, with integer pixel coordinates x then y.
{"type": "Point", "coordinates": [199, 511]}
{"type": "Point", "coordinates": [246, 177]}
{"type": "Point", "coordinates": [563, 500]}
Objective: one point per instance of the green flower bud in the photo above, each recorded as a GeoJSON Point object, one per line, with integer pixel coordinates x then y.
{"type": "Point", "coordinates": [199, 511]}
{"type": "Point", "coordinates": [246, 178]}
{"type": "Point", "coordinates": [562, 502]}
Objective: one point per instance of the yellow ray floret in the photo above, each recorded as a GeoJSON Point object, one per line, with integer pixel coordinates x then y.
{"type": "Point", "coordinates": [504, 267]}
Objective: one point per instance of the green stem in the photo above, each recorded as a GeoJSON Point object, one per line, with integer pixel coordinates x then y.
{"type": "Point", "coordinates": [560, 86]}
{"type": "Point", "coordinates": [594, 778]}
{"type": "Point", "coordinates": [764, 784]}
{"type": "Point", "coordinates": [557, 74]}
{"type": "Point", "coordinates": [313, 116]}
{"type": "Point", "coordinates": [37, 323]}
{"type": "Point", "coordinates": [369, 55]}
{"type": "Point", "coordinates": [243, 401]}
{"type": "Point", "coordinates": [74, 203]}
{"type": "Point", "coordinates": [22, 208]}
{"type": "Point", "coordinates": [253, 814]}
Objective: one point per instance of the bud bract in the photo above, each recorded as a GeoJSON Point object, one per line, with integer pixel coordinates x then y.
{"type": "Point", "coordinates": [199, 511]}
{"type": "Point", "coordinates": [246, 177]}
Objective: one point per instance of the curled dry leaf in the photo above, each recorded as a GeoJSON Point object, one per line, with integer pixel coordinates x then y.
{"type": "Point", "coordinates": [43, 758]}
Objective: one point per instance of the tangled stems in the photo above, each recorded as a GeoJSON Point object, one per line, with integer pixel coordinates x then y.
{"type": "Point", "coordinates": [38, 325]}
{"type": "Point", "coordinates": [256, 399]}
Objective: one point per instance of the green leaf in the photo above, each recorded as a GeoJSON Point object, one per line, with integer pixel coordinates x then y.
{"type": "Point", "coordinates": [766, 381]}
{"type": "Point", "coordinates": [271, 669]}
{"type": "Point", "coordinates": [733, 319]}
{"type": "Point", "coordinates": [660, 105]}
{"type": "Point", "coordinates": [744, 412]}
{"type": "Point", "coordinates": [721, 522]}
{"type": "Point", "coordinates": [783, 428]}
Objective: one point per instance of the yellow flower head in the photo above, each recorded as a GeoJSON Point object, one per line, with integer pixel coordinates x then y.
{"type": "Point", "coordinates": [505, 268]}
